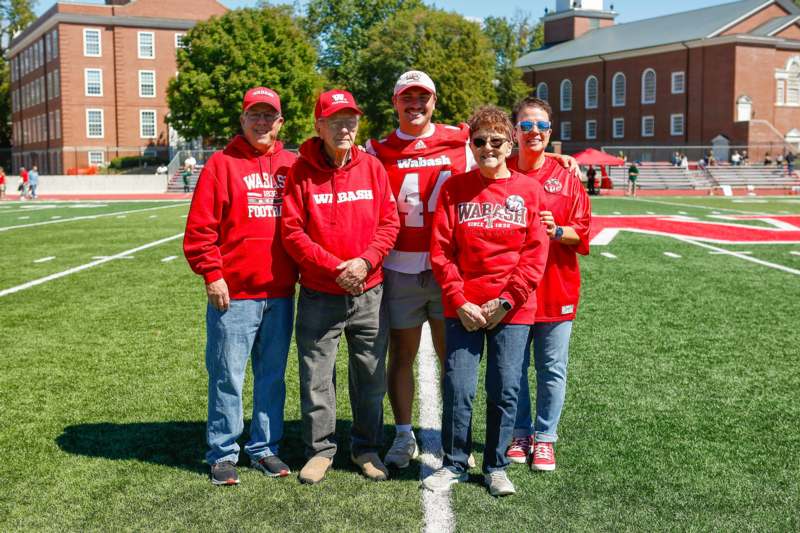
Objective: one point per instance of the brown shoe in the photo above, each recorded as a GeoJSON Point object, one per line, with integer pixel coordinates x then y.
{"type": "Point", "coordinates": [371, 466]}
{"type": "Point", "coordinates": [314, 470]}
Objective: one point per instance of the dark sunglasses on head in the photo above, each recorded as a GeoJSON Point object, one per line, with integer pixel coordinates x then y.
{"type": "Point", "coordinates": [494, 142]}
{"type": "Point", "coordinates": [527, 125]}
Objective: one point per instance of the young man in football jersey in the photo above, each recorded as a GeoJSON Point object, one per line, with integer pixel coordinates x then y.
{"type": "Point", "coordinates": [419, 157]}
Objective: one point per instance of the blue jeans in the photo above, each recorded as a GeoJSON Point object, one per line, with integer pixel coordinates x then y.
{"type": "Point", "coordinates": [505, 347]}
{"type": "Point", "coordinates": [261, 328]}
{"type": "Point", "coordinates": [550, 355]}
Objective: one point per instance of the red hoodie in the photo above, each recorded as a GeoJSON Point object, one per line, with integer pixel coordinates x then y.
{"type": "Point", "coordinates": [233, 228]}
{"type": "Point", "coordinates": [489, 242]}
{"type": "Point", "coordinates": [335, 214]}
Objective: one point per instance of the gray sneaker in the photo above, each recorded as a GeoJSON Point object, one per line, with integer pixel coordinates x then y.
{"type": "Point", "coordinates": [499, 484]}
{"type": "Point", "coordinates": [271, 465]}
{"type": "Point", "coordinates": [224, 473]}
{"type": "Point", "coordinates": [403, 450]}
{"type": "Point", "coordinates": [443, 479]}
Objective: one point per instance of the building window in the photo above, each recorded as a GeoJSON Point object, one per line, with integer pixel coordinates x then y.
{"type": "Point", "coordinates": [56, 84]}
{"type": "Point", "coordinates": [676, 124]}
{"type": "Point", "coordinates": [147, 83]}
{"type": "Point", "coordinates": [147, 124]}
{"type": "Point", "coordinates": [94, 123]}
{"type": "Point", "coordinates": [91, 43]}
{"type": "Point", "coordinates": [54, 52]}
{"type": "Point", "coordinates": [566, 95]}
{"type": "Point", "coordinates": [566, 131]}
{"type": "Point", "coordinates": [618, 128]}
{"type": "Point", "coordinates": [591, 93]}
{"type": "Point", "coordinates": [649, 86]}
{"type": "Point", "coordinates": [94, 81]}
{"type": "Point", "coordinates": [648, 126]}
{"type": "Point", "coordinates": [58, 124]}
{"type": "Point", "coordinates": [542, 92]}
{"type": "Point", "coordinates": [744, 108]}
{"type": "Point", "coordinates": [96, 158]}
{"type": "Point", "coordinates": [179, 40]}
{"type": "Point", "coordinates": [618, 90]}
{"type": "Point", "coordinates": [678, 82]}
{"type": "Point", "coordinates": [591, 129]}
{"type": "Point", "coordinates": [780, 92]}
{"type": "Point", "coordinates": [793, 90]}
{"type": "Point", "coordinates": [147, 45]}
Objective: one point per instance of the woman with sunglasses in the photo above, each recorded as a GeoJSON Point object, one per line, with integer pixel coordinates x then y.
{"type": "Point", "coordinates": [566, 215]}
{"type": "Point", "coordinates": [488, 252]}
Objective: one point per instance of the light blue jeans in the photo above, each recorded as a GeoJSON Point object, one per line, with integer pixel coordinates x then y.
{"type": "Point", "coordinates": [261, 329]}
{"type": "Point", "coordinates": [505, 345]}
{"type": "Point", "coordinates": [550, 354]}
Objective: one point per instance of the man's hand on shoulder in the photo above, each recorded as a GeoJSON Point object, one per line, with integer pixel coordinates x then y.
{"type": "Point", "coordinates": [566, 161]}
{"type": "Point", "coordinates": [218, 296]}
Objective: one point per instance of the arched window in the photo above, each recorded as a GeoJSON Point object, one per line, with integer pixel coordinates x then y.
{"type": "Point", "coordinates": [543, 92]}
{"type": "Point", "coordinates": [566, 95]}
{"type": "Point", "coordinates": [793, 81]}
{"type": "Point", "coordinates": [591, 93]}
{"type": "Point", "coordinates": [618, 90]}
{"type": "Point", "coordinates": [744, 108]}
{"type": "Point", "coordinates": [649, 86]}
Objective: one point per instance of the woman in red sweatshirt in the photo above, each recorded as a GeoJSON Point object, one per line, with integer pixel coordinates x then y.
{"type": "Point", "coordinates": [488, 253]}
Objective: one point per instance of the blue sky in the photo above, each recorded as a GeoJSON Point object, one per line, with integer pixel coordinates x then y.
{"type": "Point", "coordinates": [628, 9]}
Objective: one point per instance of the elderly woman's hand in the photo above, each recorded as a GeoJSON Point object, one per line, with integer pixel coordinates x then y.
{"type": "Point", "coordinates": [471, 317]}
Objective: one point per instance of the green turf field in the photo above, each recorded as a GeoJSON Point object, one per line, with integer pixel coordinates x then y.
{"type": "Point", "coordinates": [682, 406]}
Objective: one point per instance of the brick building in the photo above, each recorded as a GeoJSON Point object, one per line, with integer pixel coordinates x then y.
{"type": "Point", "coordinates": [88, 81]}
{"type": "Point", "coordinates": [722, 76]}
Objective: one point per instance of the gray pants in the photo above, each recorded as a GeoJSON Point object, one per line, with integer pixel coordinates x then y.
{"type": "Point", "coordinates": [321, 319]}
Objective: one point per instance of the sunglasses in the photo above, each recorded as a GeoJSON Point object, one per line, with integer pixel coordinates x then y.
{"type": "Point", "coordinates": [494, 142]}
{"type": "Point", "coordinates": [526, 126]}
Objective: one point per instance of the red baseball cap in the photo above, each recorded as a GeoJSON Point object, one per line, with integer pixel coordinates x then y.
{"type": "Point", "coordinates": [333, 101]}
{"type": "Point", "coordinates": [261, 95]}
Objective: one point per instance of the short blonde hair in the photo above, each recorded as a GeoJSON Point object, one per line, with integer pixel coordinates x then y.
{"type": "Point", "coordinates": [492, 118]}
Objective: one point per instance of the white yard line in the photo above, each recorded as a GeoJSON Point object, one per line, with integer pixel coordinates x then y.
{"type": "Point", "coordinates": [794, 252]}
{"type": "Point", "coordinates": [98, 262]}
{"type": "Point", "coordinates": [89, 217]}
{"type": "Point", "coordinates": [741, 256]}
{"type": "Point", "coordinates": [44, 259]}
{"type": "Point", "coordinates": [727, 252]}
{"type": "Point", "coordinates": [605, 236]}
{"type": "Point", "coordinates": [608, 255]}
{"type": "Point", "coordinates": [435, 505]}
{"type": "Point", "coordinates": [672, 255]}
{"type": "Point", "coordinates": [678, 204]}
{"type": "Point", "coordinates": [169, 258]}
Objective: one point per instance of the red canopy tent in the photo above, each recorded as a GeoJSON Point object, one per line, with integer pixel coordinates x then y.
{"type": "Point", "coordinates": [590, 156]}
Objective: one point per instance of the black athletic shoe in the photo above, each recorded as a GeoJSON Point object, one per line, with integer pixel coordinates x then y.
{"type": "Point", "coordinates": [224, 473]}
{"type": "Point", "coordinates": [271, 465]}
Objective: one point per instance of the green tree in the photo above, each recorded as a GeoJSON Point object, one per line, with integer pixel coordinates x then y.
{"type": "Point", "coordinates": [15, 15]}
{"type": "Point", "coordinates": [511, 39]}
{"type": "Point", "coordinates": [227, 55]}
{"type": "Point", "coordinates": [452, 50]}
{"type": "Point", "coordinates": [340, 28]}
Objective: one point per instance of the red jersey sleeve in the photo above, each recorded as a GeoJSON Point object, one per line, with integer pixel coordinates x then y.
{"type": "Point", "coordinates": [580, 217]}
{"type": "Point", "coordinates": [294, 218]}
{"type": "Point", "coordinates": [444, 250]}
{"type": "Point", "coordinates": [388, 221]}
{"type": "Point", "coordinates": [201, 239]}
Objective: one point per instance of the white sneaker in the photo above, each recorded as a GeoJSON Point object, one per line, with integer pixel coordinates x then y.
{"type": "Point", "coordinates": [404, 448]}
{"type": "Point", "coordinates": [499, 484]}
{"type": "Point", "coordinates": [443, 479]}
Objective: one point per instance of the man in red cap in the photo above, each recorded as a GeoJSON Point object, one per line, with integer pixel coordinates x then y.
{"type": "Point", "coordinates": [340, 221]}
{"type": "Point", "coordinates": [233, 240]}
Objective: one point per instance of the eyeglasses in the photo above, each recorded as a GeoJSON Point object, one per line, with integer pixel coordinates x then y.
{"type": "Point", "coordinates": [266, 116]}
{"type": "Point", "coordinates": [526, 126]}
{"type": "Point", "coordinates": [494, 142]}
{"type": "Point", "coordinates": [339, 123]}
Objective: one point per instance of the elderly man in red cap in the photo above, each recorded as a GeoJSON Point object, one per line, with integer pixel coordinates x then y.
{"type": "Point", "coordinates": [233, 240]}
{"type": "Point", "coordinates": [340, 221]}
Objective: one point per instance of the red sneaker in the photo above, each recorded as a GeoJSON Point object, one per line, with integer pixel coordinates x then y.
{"type": "Point", "coordinates": [518, 451]}
{"type": "Point", "coordinates": [544, 458]}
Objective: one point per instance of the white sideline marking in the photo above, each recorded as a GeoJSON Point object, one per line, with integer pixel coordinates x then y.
{"type": "Point", "coordinates": [88, 217]}
{"type": "Point", "coordinates": [73, 270]}
{"type": "Point", "coordinates": [608, 254]}
{"type": "Point", "coordinates": [44, 259]}
{"type": "Point", "coordinates": [794, 252]}
{"type": "Point", "coordinates": [435, 505]}
{"type": "Point", "coordinates": [650, 212]}
{"type": "Point", "coordinates": [678, 204]}
{"type": "Point", "coordinates": [153, 216]}
{"type": "Point", "coordinates": [617, 213]}
{"type": "Point", "coordinates": [672, 255]}
{"type": "Point", "coordinates": [23, 218]}
{"type": "Point", "coordinates": [748, 201]}
{"type": "Point", "coordinates": [169, 258]}
{"type": "Point", "coordinates": [122, 216]}
{"type": "Point", "coordinates": [108, 256]}
{"type": "Point", "coordinates": [605, 236]}
{"type": "Point", "coordinates": [682, 213]}
{"type": "Point", "coordinates": [55, 217]}
{"type": "Point", "coordinates": [726, 252]}
{"type": "Point", "coordinates": [741, 256]}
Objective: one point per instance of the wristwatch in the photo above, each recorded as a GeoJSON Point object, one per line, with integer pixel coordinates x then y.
{"type": "Point", "coordinates": [559, 233]}
{"type": "Point", "coordinates": [506, 304]}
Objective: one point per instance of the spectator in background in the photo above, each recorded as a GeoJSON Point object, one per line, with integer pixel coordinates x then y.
{"type": "Point", "coordinates": [745, 158]}
{"type": "Point", "coordinates": [190, 162]}
{"type": "Point", "coordinates": [590, 176]}
{"type": "Point", "coordinates": [779, 160]}
{"type": "Point", "coordinates": [23, 183]}
{"type": "Point", "coordinates": [33, 181]}
{"type": "Point", "coordinates": [633, 175]}
{"type": "Point", "coordinates": [676, 159]}
{"type": "Point", "coordinates": [768, 160]}
{"type": "Point", "coordinates": [233, 241]}
{"type": "Point", "coordinates": [790, 157]}
{"type": "Point", "coordinates": [185, 175]}
{"type": "Point", "coordinates": [2, 183]}
{"type": "Point", "coordinates": [712, 161]}
{"type": "Point", "coordinates": [736, 158]}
